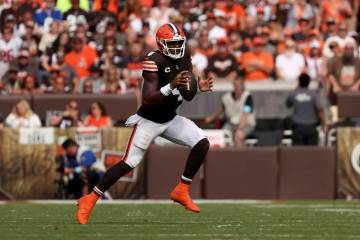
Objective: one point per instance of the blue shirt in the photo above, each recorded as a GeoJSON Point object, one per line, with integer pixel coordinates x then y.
{"type": "Point", "coordinates": [41, 15]}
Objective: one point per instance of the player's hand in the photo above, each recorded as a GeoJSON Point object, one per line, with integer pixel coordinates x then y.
{"type": "Point", "coordinates": [205, 85]}
{"type": "Point", "coordinates": [181, 80]}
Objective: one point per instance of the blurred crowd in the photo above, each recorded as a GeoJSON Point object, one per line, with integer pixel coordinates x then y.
{"type": "Point", "coordinates": [96, 46]}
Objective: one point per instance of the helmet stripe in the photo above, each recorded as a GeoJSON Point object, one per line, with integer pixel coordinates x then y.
{"type": "Point", "coordinates": [173, 28]}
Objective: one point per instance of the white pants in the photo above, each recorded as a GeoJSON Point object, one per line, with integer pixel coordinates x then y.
{"type": "Point", "coordinates": [179, 130]}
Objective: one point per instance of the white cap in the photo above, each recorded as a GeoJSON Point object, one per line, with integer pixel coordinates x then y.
{"type": "Point", "coordinates": [315, 44]}
{"type": "Point", "coordinates": [219, 13]}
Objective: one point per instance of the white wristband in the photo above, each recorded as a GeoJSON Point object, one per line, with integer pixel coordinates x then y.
{"type": "Point", "coordinates": [166, 90]}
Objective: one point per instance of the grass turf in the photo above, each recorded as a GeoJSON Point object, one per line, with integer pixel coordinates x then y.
{"type": "Point", "coordinates": [278, 220]}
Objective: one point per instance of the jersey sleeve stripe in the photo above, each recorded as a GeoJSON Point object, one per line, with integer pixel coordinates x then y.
{"type": "Point", "coordinates": [149, 62]}
{"type": "Point", "coordinates": [150, 69]}
{"type": "Point", "coordinates": [150, 66]}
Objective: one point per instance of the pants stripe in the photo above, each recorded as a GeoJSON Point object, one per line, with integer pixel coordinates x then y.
{"type": "Point", "coordinates": [129, 143]}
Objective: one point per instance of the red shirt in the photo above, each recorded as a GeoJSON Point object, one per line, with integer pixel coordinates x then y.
{"type": "Point", "coordinates": [81, 61]}
{"type": "Point", "coordinates": [94, 122]}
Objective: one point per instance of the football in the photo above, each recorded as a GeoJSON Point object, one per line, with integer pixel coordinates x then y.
{"type": "Point", "coordinates": [189, 92]}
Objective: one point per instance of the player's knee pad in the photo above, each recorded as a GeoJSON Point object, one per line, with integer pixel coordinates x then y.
{"type": "Point", "coordinates": [202, 147]}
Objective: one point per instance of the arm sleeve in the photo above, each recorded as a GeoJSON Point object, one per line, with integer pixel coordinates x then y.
{"type": "Point", "coordinates": [149, 64]}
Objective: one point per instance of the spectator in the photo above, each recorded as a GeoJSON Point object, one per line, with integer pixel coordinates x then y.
{"type": "Point", "coordinates": [44, 17]}
{"type": "Point", "coordinates": [249, 29]}
{"type": "Point", "coordinates": [287, 35]}
{"type": "Point", "coordinates": [60, 47]}
{"type": "Point", "coordinates": [161, 13]}
{"type": "Point", "coordinates": [275, 29]}
{"type": "Point", "coordinates": [237, 46]}
{"type": "Point", "coordinates": [344, 71]}
{"type": "Point", "coordinates": [12, 10]}
{"type": "Point", "coordinates": [76, 169]}
{"type": "Point", "coordinates": [81, 30]}
{"type": "Point", "coordinates": [69, 118]}
{"type": "Point", "coordinates": [49, 37]}
{"type": "Point", "coordinates": [265, 35]}
{"type": "Point", "coordinates": [307, 114]}
{"type": "Point", "coordinates": [290, 64]}
{"type": "Point", "coordinates": [133, 65]}
{"type": "Point", "coordinates": [111, 58]}
{"type": "Point", "coordinates": [29, 39]}
{"type": "Point", "coordinates": [223, 64]}
{"type": "Point", "coordinates": [98, 117]}
{"type": "Point", "coordinates": [58, 86]}
{"type": "Point", "coordinates": [106, 5]}
{"type": "Point", "coordinates": [340, 39]}
{"type": "Point", "coordinates": [57, 79]}
{"type": "Point", "coordinates": [111, 34]}
{"type": "Point", "coordinates": [315, 63]}
{"type": "Point", "coordinates": [22, 116]}
{"type": "Point", "coordinates": [75, 11]}
{"type": "Point", "coordinates": [11, 80]}
{"type": "Point", "coordinates": [314, 36]}
{"type": "Point", "coordinates": [28, 7]}
{"type": "Point", "coordinates": [112, 82]}
{"type": "Point", "coordinates": [137, 23]}
{"type": "Point", "coordinates": [261, 16]}
{"type": "Point", "coordinates": [300, 10]}
{"type": "Point", "coordinates": [67, 72]}
{"type": "Point", "coordinates": [215, 30]}
{"type": "Point", "coordinates": [29, 85]}
{"type": "Point", "coordinates": [88, 87]}
{"type": "Point", "coordinates": [205, 46]}
{"type": "Point", "coordinates": [235, 13]}
{"type": "Point", "coordinates": [339, 10]}
{"type": "Point", "coordinates": [23, 64]}
{"type": "Point", "coordinates": [10, 22]}
{"type": "Point", "coordinates": [238, 109]}
{"type": "Point", "coordinates": [257, 64]}
{"type": "Point", "coordinates": [198, 60]}
{"type": "Point", "coordinates": [4, 4]}
{"type": "Point", "coordinates": [81, 57]}
{"type": "Point", "coordinates": [302, 33]}
{"type": "Point", "coordinates": [9, 48]}
{"type": "Point", "coordinates": [92, 83]}
{"type": "Point", "coordinates": [330, 29]}
{"type": "Point", "coordinates": [99, 18]}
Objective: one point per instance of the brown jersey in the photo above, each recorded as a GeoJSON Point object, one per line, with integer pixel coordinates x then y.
{"type": "Point", "coordinates": [167, 69]}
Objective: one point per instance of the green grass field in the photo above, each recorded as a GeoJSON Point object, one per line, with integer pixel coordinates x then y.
{"type": "Point", "coordinates": [336, 220]}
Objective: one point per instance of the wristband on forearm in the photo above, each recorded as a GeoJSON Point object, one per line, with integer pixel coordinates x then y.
{"type": "Point", "coordinates": [166, 90]}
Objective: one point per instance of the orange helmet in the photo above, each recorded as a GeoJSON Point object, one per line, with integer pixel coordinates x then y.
{"type": "Point", "coordinates": [171, 40]}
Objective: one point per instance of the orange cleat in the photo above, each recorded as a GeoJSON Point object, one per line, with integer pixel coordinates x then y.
{"type": "Point", "coordinates": [181, 195]}
{"type": "Point", "coordinates": [85, 205]}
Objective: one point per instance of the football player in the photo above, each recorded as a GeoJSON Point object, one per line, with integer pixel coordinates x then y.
{"type": "Point", "coordinates": [168, 79]}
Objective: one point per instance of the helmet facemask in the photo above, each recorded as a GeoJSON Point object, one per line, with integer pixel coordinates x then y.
{"type": "Point", "coordinates": [174, 48]}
